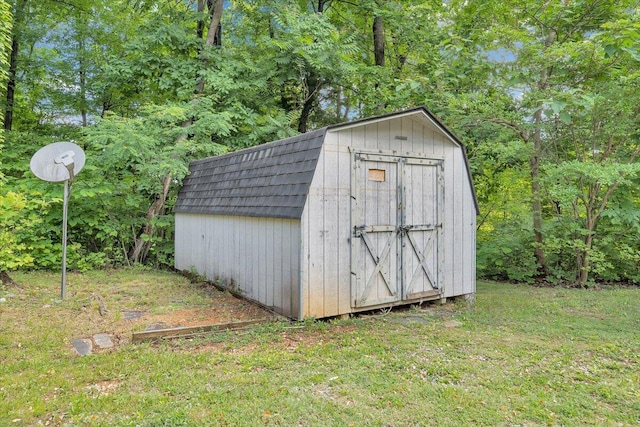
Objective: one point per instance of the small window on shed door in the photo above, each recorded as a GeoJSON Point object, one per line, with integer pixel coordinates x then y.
{"type": "Point", "coordinates": [378, 175]}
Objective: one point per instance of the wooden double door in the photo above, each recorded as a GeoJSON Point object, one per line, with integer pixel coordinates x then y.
{"type": "Point", "coordinates": [396, 217]}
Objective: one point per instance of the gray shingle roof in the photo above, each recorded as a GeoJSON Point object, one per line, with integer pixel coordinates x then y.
{"type": "Point", "coordinates": [269, 180]}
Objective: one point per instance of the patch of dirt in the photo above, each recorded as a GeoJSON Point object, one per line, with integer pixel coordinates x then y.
{"type": "Point", "coordinates": [120, 320]}
{"type": "Point", "coordinates": [223, 308]}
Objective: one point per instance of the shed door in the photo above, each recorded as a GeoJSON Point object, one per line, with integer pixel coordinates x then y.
{"type": "Point", "coordinates": [422, 227]}
{"type": "Point", "coordinates": [396, 228]}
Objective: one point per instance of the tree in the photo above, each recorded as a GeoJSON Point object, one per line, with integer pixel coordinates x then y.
{"type": "Point", "coordinates": [600, 130]}
{"type": "Point", "coordinates": [306, 57]}
{"type": "Point", "coordinates": [179, 83]}
{"type": "Point", "coordinates": [6, 24]}
{"type": "Point", "coordinates": [534, 89]}
{"type": "Point", "coordinates": [8, 202]}
{"type": "Point", "coordinates": [15, 28]}
{"type": "Point", "coordinates": [553, 59]}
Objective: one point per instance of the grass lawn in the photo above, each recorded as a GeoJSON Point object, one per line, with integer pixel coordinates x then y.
{"type": "Point", "coordinates": [520, 356]}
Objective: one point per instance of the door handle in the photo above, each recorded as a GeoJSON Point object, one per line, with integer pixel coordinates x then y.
{"type": "Point", "coordinates": [404, 229]}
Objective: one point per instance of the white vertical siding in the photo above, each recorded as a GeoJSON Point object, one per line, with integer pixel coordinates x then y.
{"type": "Point", "coordinates": [456, 224]}
{"type": "Point", "coordinates": [469, 250]}
{"type": "Point", "coordinates": [326, 226]}
{"type": "Point", "coordinates": [257, 257]}
{"type": "Point", "coordinates": [326, 220]}
{"type": "Point", "coordinates": [342, 219]}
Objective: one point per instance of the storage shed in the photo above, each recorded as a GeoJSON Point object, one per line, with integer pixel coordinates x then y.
{"type": "Point", "coordinates": [368, 214]}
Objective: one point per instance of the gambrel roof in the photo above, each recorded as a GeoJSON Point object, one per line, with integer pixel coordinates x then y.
{"type": "Point", "coordinates": [269, 180]}
{"type": "Point", "coordinates": [273, 179]}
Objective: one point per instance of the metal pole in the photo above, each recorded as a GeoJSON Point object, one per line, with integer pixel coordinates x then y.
{"type": "Point", "coordinates": [65, 208]}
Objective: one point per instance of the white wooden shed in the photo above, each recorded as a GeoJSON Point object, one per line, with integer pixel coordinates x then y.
{"type": "Point", "coordinates": [368, 214]}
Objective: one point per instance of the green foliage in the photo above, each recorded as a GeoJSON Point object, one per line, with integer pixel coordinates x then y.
{"type": "Point", "coordinates": [15, 218]}
{"type": "Point", "coordinates": [505, 252]}
{"type": "Point", "coordinates": [615, 252]}
{"type": "Point", "coordinates": [32, 214]}
{"type": "Point", "coordinates": [292, 56]}
{"type": "Point", "coordinates": [6, 20]}
{"type": "Point", "coordinates": [129, 158]}
{"type": "Point", "coordinates": [570, 96]}
{"type": "Point", "coordinates": [540, 94]}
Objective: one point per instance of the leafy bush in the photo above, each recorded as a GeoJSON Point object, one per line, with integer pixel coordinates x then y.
{"type": "Point", "coordinates": [14, 253]}
{"type": "Point", "coordinates": [506, 252]}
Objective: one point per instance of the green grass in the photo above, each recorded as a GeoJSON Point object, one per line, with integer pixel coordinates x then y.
{"type": "Point", "coordinates": [521, 356]}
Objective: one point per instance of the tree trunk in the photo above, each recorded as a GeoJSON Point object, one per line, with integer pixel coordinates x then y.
{"type": "Point", "coordinates": [142, 244]}
{"type": "Point", "coordinates": [321, 4]}
{"type": "Point", "coordinates": [536, 198]}
{"type": "Point", "coordinates": [83, 97]}
{"type": "Point", "coordinates": [378, 40]}
{"type": "Point", "coordinates": [18, 16]}
{"type": "Point", "coordinates": [534, 165]}
{"type": "Point", "coordinates": [82, 64]}
{"type": "Point", "coordinates": [313, 84]}
{"type": "Point", "coordinates": [200, 26]}
{"type": "Point", "coordinates": [305, 113]}
{"type": "Point", "coordinates": [583, 257]}
{"type": "Point", "coordinates": [11, 84]}
{"type": "Point", "coordinates": [6, 280]}
{"type": "Point", "coordinates": [213, 38]}
{"type": "Point", "coordinates": [378, 45]}
{"type": "Point", "coordinates": [594, 212]}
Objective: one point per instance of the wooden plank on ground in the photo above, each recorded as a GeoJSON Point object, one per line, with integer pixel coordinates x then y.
{"type": "Point", "coordinates": [185, 331]}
